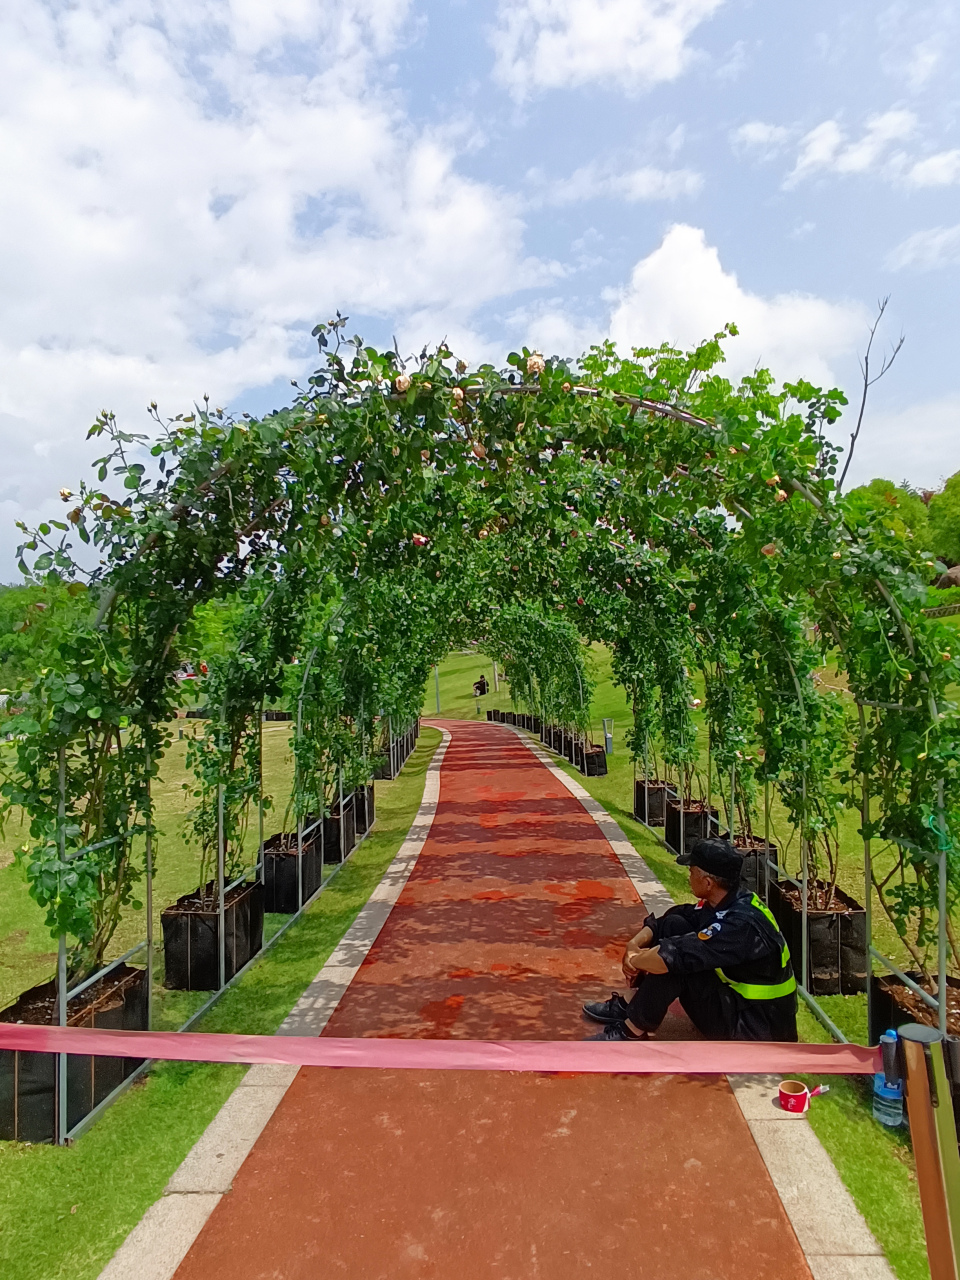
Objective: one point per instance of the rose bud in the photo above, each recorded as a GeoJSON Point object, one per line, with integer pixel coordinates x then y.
{"type": "Point", "coordinates": [402, 383]}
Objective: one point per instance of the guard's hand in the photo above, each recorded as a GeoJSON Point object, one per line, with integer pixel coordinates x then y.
{"type": "Point", "coordinates": [647, 960]}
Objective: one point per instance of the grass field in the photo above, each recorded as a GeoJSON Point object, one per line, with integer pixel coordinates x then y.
{"type": "Point", "coordinates": [876, 1165]}
{"type": "Point", "coordinates": [65, 1210]}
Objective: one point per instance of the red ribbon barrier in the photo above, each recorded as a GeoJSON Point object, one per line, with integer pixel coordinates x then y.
{"type": "Point", "coordinates": [650, 1057]}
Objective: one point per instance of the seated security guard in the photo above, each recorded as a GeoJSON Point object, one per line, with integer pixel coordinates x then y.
{"type": "Point", "coordinates": [723, 957]}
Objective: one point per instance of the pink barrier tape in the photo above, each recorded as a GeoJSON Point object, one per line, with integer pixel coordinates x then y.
{"type": "Point", "coordinates": [651, 1057]}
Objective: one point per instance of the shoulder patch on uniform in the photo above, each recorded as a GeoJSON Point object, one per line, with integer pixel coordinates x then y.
{"type": "Point", "coordinates": [706, 934]}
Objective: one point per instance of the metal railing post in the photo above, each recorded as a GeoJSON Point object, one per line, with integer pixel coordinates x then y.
{"type": "Point", "coordinates": [942, 987]}
{"type": "Point", "coordinates": [62, 957]}
{"type": "Point", "coordinates": [148, 868]}
{"type": "Point", "coordinates": [221, 882]}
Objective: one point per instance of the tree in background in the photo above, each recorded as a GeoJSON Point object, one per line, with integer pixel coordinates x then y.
{"type": "Point", "coordinates": [899, 504]}
{"type": "Point", "coordinates": [945, 521]}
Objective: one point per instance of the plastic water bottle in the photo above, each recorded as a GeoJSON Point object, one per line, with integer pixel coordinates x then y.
{"type": "Point", "coordinates": [887, 1101]}
{"type": "Point", "coordinates": [888, 1097]}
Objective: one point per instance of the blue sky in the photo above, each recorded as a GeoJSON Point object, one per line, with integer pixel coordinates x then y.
{"type": "Point", "coordinates": [189, 187]}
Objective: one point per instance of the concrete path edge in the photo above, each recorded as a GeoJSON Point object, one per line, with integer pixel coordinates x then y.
{"type": "Point", "coordinates": [830, 1229]}
{"type": "Point", "coordinates": [162, 1238]}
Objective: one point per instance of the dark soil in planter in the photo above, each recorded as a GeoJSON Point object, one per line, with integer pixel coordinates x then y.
{"type": "Point", "coordinates": [698, 823]}
{"type": "Point", "coordinates": [28, 1081]}
{"type": "Point", "coordinates": [280, 872]}
{"type": "Point", "coordinates": [894, 1005]}
{"type": "Point", "coordinates": [658, 793]}
{"type": "Point", "coordinates": [756, 874]}
{"type": "Point", "coordinates": [837, 944]}
{"type": "Point", "coordinates": [191, 936]}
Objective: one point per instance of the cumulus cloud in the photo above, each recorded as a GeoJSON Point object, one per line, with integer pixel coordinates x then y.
{"type": "Point", "coordinates": [919, 443]}
{"type": "Point", "coordinates": [188, 188]}
{"type": "Point", "coordinates": [939, 170]}
{"type": "Point", "coordinates": [681, 293]}
{"type": "Point", "coordinates": [879, 149]}
{"type": "Point", "coordinates": [936, 247]}
{"type": "Point", "coordinates": [592, 182]}
{"type": "Point", "coordinates": [633, 44]}
{"type": "Point", "coordinates": [827, 149]}
{"type": "Point", "coordinates": [758, 138]}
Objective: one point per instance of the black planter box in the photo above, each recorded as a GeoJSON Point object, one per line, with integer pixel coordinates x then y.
{"type": "Point", "coordinates": [536, 725]}
{"type": "Point", "coordinates": [657, 795]}
{"type": "Point", "coordinates": [278, 715]}
{"type": "Point", "coordinates": [198, 713]}
{"type": "Point", "coordinates": [364, 809]}
{"type": "Point", "coordinates": [29, 1101]}
{"type": "Point", "coordinates": [756, 875]}
{"type": "Point", "coordinates": [837, 943]}
{"type": "Point", "coordinates": [885, 1011]}
{"type": "Point", "coordinates": [331, 832]}
{"type": "Point", "coordinates": [510, 717]}
{"type": "Point", "coordinates": [568, 746]}
{"type": "Point", "coordinates": [191, 938]}
{"type": "Point", "coordinates": [280, 874]}
{"type": "Point", "coordinates": [697, 825]}
{"type": "Point", "coordinates": [594, 762]}
{"type": "Point", "coordinates": [490, 716]}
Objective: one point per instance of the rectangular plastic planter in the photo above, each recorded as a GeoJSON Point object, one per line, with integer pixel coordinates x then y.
{"type": "Point", "coordinates": [331, 832]}
{"type": "Point", "coordinates": [364, 809]}
{"type": "Point", "coordinates": [29, 1101]}
{"type": "Point", "coordinates": [191, 937]}
{"type": "Point", "coordinates": [280, 874]}
{"type": "Point", "coordinates": [697, 823]}
{"type": "Point", "coordinates": [594, 762]}
{"type": "Point", "coordinates": [657, 795]}
{"type": "Point", "coordinates": [756, 875]}
{"type": "Point", "coordinates": [837, 942]}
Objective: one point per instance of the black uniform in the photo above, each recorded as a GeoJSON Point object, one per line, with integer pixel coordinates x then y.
{"type": "Point", "coordinates": [729, 967]}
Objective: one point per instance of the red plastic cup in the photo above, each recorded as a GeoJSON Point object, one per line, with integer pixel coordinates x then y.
{"type": "Point", "coordinates": [794, 1096]}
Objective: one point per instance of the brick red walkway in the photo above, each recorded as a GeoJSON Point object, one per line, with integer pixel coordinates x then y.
{"type": "Point", "coordinates": [515, 913]}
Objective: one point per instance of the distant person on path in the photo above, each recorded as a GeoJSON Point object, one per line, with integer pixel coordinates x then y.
{"type": "Point", "coordinates": [722, 957]}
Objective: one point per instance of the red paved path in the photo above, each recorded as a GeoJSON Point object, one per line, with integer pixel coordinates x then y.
{"type": "Point", "coordinates": [515, 913]}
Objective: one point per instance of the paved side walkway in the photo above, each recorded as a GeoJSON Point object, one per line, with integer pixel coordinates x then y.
{"type": "Point", "coordinates": [515, 912]}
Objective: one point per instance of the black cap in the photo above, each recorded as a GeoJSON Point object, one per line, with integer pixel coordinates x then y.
{"type": "Point", "coordinates": [716, 857]}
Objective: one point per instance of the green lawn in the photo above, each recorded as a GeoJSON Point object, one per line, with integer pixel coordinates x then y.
{"type": "Point", "coordinates": [65, 1210]}
{"type": "Point", "coordinates": [28, 953]}
{"type": "Point", "coordinates": [876, 1166]}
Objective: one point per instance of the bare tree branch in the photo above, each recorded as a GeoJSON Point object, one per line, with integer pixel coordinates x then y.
{"type": "Point", "coordinates": [868, 382]}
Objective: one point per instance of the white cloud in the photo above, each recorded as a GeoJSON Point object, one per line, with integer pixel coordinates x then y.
{"type": "Point", "coordinates": [681, 293]}
{"type": "Point", "coordinates": [188, 188]}
{"type": "Point", "coordinates": [940, 170]}
{"type": "Point", "coordinates": [592, 182]}
{"type": "Point", "coordinates": [826, 148]}
{"type": "Point", "coordinates": [764, 140]}
{"type": "Point", "coordinates": [936, 247]}
{"type": "Point", "coordinates": [633, 44]}
{"type": "Point", "coordinates": [920, 443]}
